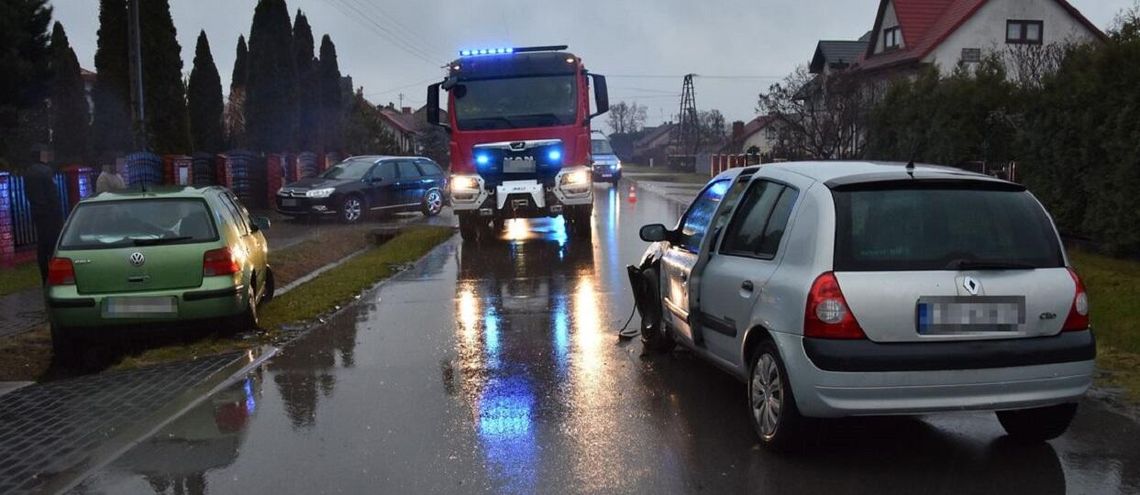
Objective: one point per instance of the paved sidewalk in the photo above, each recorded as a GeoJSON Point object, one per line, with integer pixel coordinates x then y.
{"type": "Point", "coordinates": [51, 434]}
{"type": "Point", "coordinates": [21, 312]}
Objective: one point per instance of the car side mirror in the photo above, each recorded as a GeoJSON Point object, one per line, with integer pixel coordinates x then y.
{"type": "Point", "coordinates": [601, 96]}
{"type": "Point", "coordinates": [260, 223]}
{"type": "Point", "coordinates": [433, 113]}
{"type": "Point", "coordinates": [654, 233]}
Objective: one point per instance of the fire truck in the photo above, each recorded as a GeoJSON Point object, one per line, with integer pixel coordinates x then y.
{"type": "Point", "coordinates": [519, 126]}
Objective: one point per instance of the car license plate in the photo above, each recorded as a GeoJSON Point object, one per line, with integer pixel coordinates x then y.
{"type": "Point", "coordinates": [953, 314]}
{"type": "Point", "coordinates": [288, 202]}
{"type": "Point", "coordinates": [519, 166]}
{"type": "Point", "coordinates": [139, 307]}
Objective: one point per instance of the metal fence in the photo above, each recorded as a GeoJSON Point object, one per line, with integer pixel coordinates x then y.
{"type": "Point", "coordinates": [23, 228]}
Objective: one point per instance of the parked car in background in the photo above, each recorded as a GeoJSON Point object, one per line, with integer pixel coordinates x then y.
{"type": "Point", "coordinates": [153, 258]}
{"type": "Point", "coordinates": [848, 289]}
{"type": "Point", "coordinates": [352, 189]}
{"type": "Point", "coordinates": [606, 166]}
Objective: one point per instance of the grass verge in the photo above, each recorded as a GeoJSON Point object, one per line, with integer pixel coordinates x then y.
{"type": "Point", "coordinates": [1114, 289]}
{"type": "Point", "coordinates": [321, 295]}
{"type": "Point", "coordinates": [19, 279]}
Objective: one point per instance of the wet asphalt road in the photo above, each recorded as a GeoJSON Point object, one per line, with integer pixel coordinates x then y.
{"type": "Point", "coordinates": [497, 369]}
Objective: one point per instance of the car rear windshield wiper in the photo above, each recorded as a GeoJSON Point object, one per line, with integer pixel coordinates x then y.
{"type": "Point", "coordinates": [160, 240]}
{"type": "Point", "coordinates": [961, 264]}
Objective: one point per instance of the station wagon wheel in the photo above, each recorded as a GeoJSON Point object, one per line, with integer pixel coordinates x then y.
{"type": "Point", "coordinates": [432, 203]}
{"type": "Point", "coordinates": [351, 209]}
{"type": "Point", "coordinates": [771, 405]}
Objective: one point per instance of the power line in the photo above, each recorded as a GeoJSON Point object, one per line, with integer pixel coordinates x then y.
{"type": "Point", "coordinates": [363, 18]}
{"type": "Point", "coordinates": [701, 76]}
{"type": "Point", "coordinates": [407, 32]}
{"type": "Point", "coordinates": [406, 86]}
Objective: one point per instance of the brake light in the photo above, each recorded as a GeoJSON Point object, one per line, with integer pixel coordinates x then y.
{"type": "Point", "coordinates": [219, 262]}
{"type": "Point", "coordinates": [827, 315]}
{"type": "Point", "coordinates": [1078, 319]}
{"type": "Point", "coordinates": [61, 272]}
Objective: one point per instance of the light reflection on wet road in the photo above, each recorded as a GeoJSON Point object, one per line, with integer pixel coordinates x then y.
{"type": "Point", "coordinates": [496, 368]}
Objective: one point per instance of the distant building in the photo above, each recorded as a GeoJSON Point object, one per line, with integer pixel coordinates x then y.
{"type": "Point", "coordinates": [89, 78]}
{"type": "Point", "coordinates": [760, 137]}
{"type": "Point", "coordinates": [909, 34]}
{"type": "Point", "coordinates": [653, 147]}
{"type": "Point", "coordinates": [407, 128]}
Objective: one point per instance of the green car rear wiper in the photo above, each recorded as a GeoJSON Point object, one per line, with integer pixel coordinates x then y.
{"type": "Point", "coordinates": [160, 240]}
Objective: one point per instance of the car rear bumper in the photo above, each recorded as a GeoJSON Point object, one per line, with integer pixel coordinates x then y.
{"type": "Point", "coordinates": [604, 173]}
{"type": "Point", "coordinates": [219, 297]}
{"type": "Point", "coordinates": [965, 384]}
{"type": "Point", "coordinates": [304, 206]}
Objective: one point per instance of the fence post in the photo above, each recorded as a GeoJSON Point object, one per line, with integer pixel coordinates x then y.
{"type": "Point", "coordinates": [7, 240]}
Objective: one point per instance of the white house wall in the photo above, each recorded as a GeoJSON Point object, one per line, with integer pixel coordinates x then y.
{"type": "Point", "coordinates": [986, 29]}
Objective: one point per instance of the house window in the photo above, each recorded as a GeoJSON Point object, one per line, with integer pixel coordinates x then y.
{"type": "Point", "coordinates": [892, 38]}
{"type": "Point", "coordinates": [1024, 32]}
{"type": "Point", "coordinates": [971, 55]}
{"type": "Point", "coordinates": [770, 133]}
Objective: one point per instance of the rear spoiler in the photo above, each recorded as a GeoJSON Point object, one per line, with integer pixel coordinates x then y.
{"type": "Point", "coordinates": [923, 179]}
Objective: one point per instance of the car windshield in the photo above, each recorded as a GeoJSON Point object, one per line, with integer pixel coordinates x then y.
{"type": "Point", "coordinates": [942, 229]}
{"type": "Point", "coordinates": [601, 147]}
{"type": "Point", "coordinates": [542, 101]}
{"type": "Point", "coordinates": [349, 169]}
{"type": "Point", "coordinates": [115, 224]}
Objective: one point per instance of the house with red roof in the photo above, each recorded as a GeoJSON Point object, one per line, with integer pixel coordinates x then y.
{"type": "Point", "coordinates": [909, 34]}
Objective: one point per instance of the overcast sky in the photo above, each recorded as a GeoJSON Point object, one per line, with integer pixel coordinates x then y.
{"type": "Point", "coordinates": [398, 46]}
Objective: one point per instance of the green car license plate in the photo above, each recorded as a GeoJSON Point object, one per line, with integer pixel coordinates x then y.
{"type": "Point", "coordinates": [139, 307]}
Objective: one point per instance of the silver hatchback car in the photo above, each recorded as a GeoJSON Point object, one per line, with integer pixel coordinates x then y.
{"type": "Point", "coordinates": [851, 288]}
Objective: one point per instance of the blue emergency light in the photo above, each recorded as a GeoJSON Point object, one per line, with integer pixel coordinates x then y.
{"type": "Point", "coordinates": [507, 51]}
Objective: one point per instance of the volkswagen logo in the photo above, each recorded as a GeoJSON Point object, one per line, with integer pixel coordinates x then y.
{"type": "Point", "coordinates": [137, 259]}
{"type": "Point", "coordinates": [971, 285]}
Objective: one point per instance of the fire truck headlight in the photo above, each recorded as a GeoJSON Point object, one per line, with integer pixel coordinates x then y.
{"type": "Point", "coordinates": [576, 178]}
{"type": "Point", "coordinates": [463, 182]}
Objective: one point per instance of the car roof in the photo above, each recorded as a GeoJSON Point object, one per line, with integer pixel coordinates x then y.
{"type": "Point", "coordinates": [154, 192]}
{"type": "Point", "coordinates": [837, 173]}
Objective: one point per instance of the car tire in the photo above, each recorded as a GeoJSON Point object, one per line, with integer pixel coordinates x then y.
{"type": "Point", "coordinates": [352, 209]}
{"type": "Point", "coordinates": [269, 287]}
{"type": "Point", "coordinates": [654, 336]}
{"type": "Point", "coordinates": [771, 405]}
{"type": "Point", "coordinates": [1038, 424]}
{"type": "Point", "coordinates": [65, 347]}
{"type": "Point", "coordinates": [249, 319]}
{"type": "Point", "coordinates": [432, 203]}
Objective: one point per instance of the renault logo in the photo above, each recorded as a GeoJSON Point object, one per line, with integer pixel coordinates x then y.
{"type": "Point", "coordinates": [971, 285]}
{"type": "Point", "coordinates": [137, 259]}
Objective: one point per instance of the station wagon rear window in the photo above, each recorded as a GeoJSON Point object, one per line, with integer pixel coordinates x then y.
{"type": "Point", "coordinates": [947, 227]}
{"type": "Point", "coordinates": [116, 224]}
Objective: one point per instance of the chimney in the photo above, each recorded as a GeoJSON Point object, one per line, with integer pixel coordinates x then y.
{"type": "Point", "coordinates": [407, 110]}
{"type": "Point", "coordinates": [737, 131]}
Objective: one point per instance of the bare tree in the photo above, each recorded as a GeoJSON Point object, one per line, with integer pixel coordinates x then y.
{"type": "Point", "coordinates": [1028, 65]}
{"type": "Point", "coordinates": [625, 118]}
{"type": "Point", "coordinates": [821, 117]}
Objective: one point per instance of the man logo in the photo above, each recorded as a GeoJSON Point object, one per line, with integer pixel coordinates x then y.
{"type": "Point", "coordinates": [518, 145]}
{"type": "Point", "coordinates": [137, 259]}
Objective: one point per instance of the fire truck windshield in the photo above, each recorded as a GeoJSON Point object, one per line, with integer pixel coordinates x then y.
{"type": "Point", "coordinates": [519, 102]}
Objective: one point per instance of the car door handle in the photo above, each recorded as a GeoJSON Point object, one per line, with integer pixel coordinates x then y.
{"type": "Point", "coordinates": [747, 286]}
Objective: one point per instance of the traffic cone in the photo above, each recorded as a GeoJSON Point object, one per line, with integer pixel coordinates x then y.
{"type": "Point", "coordinates": [632, 194]}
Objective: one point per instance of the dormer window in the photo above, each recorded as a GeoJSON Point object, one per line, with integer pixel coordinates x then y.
{"type": "Point", "coordinates": [892, 38]}
{"type": "Point", "coordinates": [1024, 32]}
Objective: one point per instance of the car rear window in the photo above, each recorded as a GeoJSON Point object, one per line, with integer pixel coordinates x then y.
{"type": "Point", "coordinates": [941, 228]}
{"type": "Point", "coordinates": [114, 224]}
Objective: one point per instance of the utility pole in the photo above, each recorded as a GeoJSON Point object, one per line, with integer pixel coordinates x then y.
{"type": "Point", "coordinates": [401, 102]}
{"type": "Point", "coordinates": [138, 99]}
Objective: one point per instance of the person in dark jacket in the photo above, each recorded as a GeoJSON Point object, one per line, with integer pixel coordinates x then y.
{"type": "Point", "coordinates": [43, 198]}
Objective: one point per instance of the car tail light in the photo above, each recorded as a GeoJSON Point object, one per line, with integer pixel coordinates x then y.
{"type": "Point", "coordinates": [219, 262]}
{"type": "Point", "coordinates": [1079, 311]}
{"type": "Point", "coordinates": [61, 272]}
{"type": "Point", "coordinates": [827, 315]}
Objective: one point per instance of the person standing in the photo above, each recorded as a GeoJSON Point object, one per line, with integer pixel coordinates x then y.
{"type": "Point", "coordinates": [109, 180]}
{"type": "Point", "coordinates": [43, 197]}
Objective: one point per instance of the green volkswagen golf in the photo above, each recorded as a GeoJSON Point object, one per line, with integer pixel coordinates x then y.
{"type": "Point", "coordinates": [155, 258]}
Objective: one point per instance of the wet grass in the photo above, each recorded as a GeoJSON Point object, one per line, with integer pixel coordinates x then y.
{"type": "Point", "coordinates": [19, 279]}
{"type": "Point", "coordinates": [27, 356]}
{"type": "Point", "coordinates": [1114, 295]}
{"type": "Point", "coordinates": [296, 261]}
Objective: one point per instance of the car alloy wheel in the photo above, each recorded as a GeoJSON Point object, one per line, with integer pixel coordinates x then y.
{"type": "Point", "coordinates": [433, 203]}
{"type": "Point", "coordinates": [351, 209]}
{"type": "Point", "coordinates": [767, 395]}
